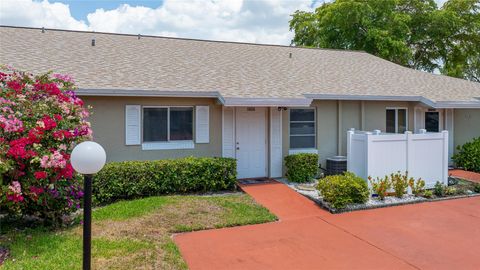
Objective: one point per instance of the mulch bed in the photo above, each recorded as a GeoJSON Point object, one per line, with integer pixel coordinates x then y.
{"type": "Point", "coordinates": [351, 208]}
{"type": "Point", "coordinates": [309, 191]}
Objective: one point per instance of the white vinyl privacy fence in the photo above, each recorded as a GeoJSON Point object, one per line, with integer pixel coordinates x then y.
{"type": "Point", "coordinates": [423, 155]}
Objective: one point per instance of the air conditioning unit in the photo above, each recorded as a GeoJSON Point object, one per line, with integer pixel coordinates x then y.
{"type": "Point", "coordinates": [336, 165]}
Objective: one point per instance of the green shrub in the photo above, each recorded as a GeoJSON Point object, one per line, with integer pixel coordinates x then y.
{"type": "Point", "coordinates": [451, 191]}
{"type": "Point", "coordinates": [439, 189]}
{"type": "Point", "coordinates": [468, 156]}
{"type": "Point", "coordinates": [340, 190]}
{"type": "Point", "coordinates": [400, 183]}
{"type": "Point", "coordinates": [428, 194]}
{"type": "Point", "coordinates": [301, 167]}
{"type": "Point", "coordinates": [418, 187]}
{"type": "Point", "coordinates": [380, 186]}
{"type": "Point", "coordinates": [135, 179]}
{"type": "Point", "coordinates": [476, 187]}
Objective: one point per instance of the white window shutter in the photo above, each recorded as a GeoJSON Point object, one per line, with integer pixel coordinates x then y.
{"type": "Point", "coordinates": [132, 124]}
{"type": "Point", "coordinates": [202, 128]}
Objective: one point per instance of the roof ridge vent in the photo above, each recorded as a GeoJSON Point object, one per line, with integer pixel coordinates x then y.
{"type": "Point", "coordinates": [139, 36]}
{"type": "Point", "coordinates": [93, 42]}
{"type": "Point", "coordinates": [43, 29]}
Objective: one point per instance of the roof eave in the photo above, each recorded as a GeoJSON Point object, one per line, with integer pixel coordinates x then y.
{"type": "Point", "coordinates": [458, 104]}
{"type": "Point", "coordinates": [272, 102]}
{"type": "Point", "coordinates": [371, 98]}
{"type": "Point", "coordinates": [267, 102]}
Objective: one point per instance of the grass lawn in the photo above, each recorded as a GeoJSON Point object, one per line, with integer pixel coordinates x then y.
{"type": "Point", "coordinates": [132, 234]}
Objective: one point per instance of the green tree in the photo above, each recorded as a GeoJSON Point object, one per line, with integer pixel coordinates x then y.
{"type": "Point", "coordinates": [461, 56]}
{"type": "Point", "coordinates": [413, 33]}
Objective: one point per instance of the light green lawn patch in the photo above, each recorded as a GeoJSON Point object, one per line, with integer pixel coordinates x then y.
{"type": "Point", "coordinates": [133, 234]}
{"type": "Point", "coordinates": [129, 209]}
{"type": "Point", "coordinates": [41, 249]}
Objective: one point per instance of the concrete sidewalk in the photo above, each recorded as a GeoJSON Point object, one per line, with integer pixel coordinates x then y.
{"type": "Point", "coordinates": [440, 235]}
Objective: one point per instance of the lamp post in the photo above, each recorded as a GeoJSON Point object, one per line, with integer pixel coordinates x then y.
{"type": "Point", "coordinates": [87, 158]}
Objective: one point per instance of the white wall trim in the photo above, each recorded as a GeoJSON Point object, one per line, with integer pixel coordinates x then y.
{"type": "Point", "coordinates": [276, 143]}
{"type": "Point", "coordinates": [202, 124]}
{"type": "Point", "coordinates": [171, 145]}
{"type": "Point", "coordinates": [228, 149]}
{"type": "Point", "coordinates": [303, 150]}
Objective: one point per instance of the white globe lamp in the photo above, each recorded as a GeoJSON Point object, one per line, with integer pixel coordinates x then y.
{"type": "Point", "coordinates": [87, 158]}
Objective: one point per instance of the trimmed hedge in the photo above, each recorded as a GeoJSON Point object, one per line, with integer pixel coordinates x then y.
{"type": "Point", "coordinates": [468, 156]}
{"type": "Point", "coordinates": [135, 179]}
{"type": "Point", "coordinates": [301, 167]}
{"type": "Point", "coordinates": [341, 190]}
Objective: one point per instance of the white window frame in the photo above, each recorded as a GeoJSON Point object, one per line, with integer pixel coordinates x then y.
{"type": "Point", "coordinates": [303, 150]}
{"type": "Point", "coordinates": [396, 117]}
{"type": "Point", "coordinates": [168, 144]}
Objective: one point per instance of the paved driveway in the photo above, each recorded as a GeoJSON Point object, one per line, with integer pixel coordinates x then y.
{"type": "Point", "coordinates": [439, 235]}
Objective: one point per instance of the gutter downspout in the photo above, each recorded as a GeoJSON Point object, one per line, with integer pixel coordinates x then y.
{"type": "Point", "coordinates": [339, 126]}
{"type": "Point", "coordinates": [362, 115]}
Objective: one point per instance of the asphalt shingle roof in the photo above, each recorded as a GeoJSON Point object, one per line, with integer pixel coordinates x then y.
{"type": "Point", "coordinates": [234, 70]}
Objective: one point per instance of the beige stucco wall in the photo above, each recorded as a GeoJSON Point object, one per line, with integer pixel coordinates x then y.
{"type": "Point", "coordinates": [466, 125]}
{"type": "Point", "coordinates": [108, 124]}
{"type": "Point", "coordinates": [374, 117]}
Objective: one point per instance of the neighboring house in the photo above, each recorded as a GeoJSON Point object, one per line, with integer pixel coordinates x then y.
{"type": "Point", "coordinates": [157, 97]}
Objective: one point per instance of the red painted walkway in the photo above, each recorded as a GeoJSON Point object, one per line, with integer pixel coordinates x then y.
{"type": "Point", "coordinates": [441, 235]}
{"type": "Point", "coordinates": [472, 176]}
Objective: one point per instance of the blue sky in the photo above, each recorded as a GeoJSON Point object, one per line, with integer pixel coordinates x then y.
{"type": "Point", "coordinates": [257, 21]}
{"type": "Point", "coordinates": [80, 8]}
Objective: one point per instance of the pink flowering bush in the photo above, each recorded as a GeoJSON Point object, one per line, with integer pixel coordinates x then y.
{"type": "Point", "coordinates": [41, 120]}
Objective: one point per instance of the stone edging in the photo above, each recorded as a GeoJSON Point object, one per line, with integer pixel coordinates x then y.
{"type": "Point", "coordinates": [360, 207]}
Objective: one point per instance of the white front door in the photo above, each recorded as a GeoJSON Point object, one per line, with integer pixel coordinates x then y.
{"type": "Point", "coordinates": [251, 142]}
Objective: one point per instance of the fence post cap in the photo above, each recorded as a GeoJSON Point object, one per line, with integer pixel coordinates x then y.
{"type": "Point", "coordinates": [408, 132]}
{"type": "Point", "coordinates": [422, 131]}
{"type": "Point", "coordinates": [376, 131]}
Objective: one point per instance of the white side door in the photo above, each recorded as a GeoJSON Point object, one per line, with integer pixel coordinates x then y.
{"type": "Point", "coordinates": [251, 142]}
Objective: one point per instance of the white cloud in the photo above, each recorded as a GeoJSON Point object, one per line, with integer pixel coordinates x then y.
{"type": "Point", "coordinates": [38, 14]}
{"type": "Point", "coordinates": [264, 21]}
{"type": "Point", "coordinates": [261, 21]}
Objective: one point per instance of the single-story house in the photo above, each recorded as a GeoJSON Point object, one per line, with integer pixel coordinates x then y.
{"type": "Point", "coordinates": [158, 97]}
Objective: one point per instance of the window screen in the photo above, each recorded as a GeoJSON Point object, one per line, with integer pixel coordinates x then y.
{"type": "Point", "coordinates": [167, 124]}
{"type": "Point", "coordinates": [396, 120]}
{"type": "Point", "coordinates": [391, 121]}
{"type": "Point", "coordinates": [181, 124]}
{"type": "Point", "coordinates": [155, 124]}
{"type": "Point", "coordinates": [432, 121]}
{"type": "Point", "coordinates": [302, 128]}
